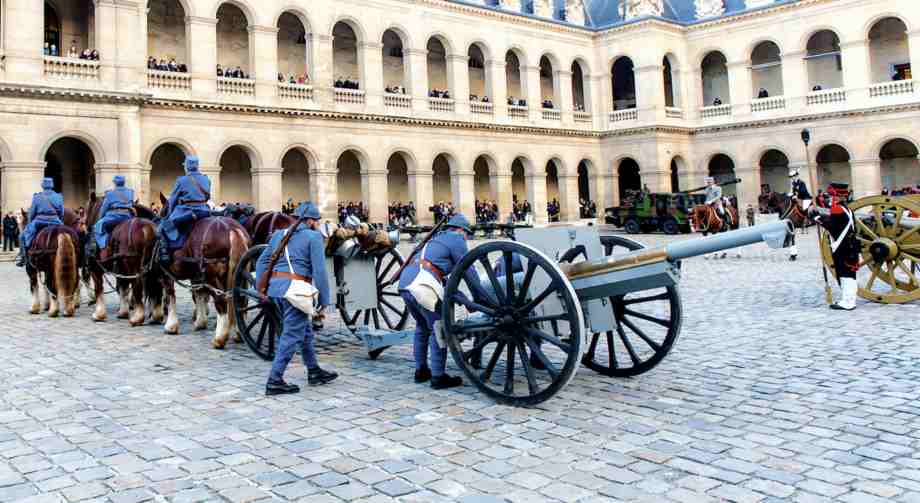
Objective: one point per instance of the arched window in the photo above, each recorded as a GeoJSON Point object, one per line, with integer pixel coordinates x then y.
{"type": "Point", "coordinates": [165, 167]}
{"type": "Point", "coordinates": [398, 179]}
{"type": "Point", "coordinates": [580, 92]}
{"type": "Point", "coordinates": [774, 171]}
{"type": "Point", "coordinates": [671, 77]}
{"type": "Point", "coordinates": [548, 84]}
{"type": "Point", "coordinates": [395, 75]}
{"type": "Point", "coordinates": [766, 71]}
{"type": "Point", "coordinates": [346, 61]}
{"type": "Point", "coordinates": [348, 179]}
{"type": "Point", "coordinates": [823, 61]}
{"type": "Point", "coordinates": [623, 84]}
{"type": "Point", "coordinates": [722, 168]}
{"type": "Point", "coordinates": [516, 90]}
{"type": "Point", "coordinates": [833, 165]}
{"type": "Point", "coordinates": [236, 175]}
{"type": "Point", "coordinates": [71, 164]}
{"type": "Point", "coordinates": [166, 40]}
{"type": "Point", "coordinates": [438, 70]}
{"type": "Point", "coordinates": [69, 28]}
{"type": "Point", "coordinates": [233, 42]}
{"type": "Point", "coordinates": [480, 76]}
{"type": "Point", "coordinates": [629, 179]}
{"type": "Point", "coordinates": [900, 167]}
{"type": "Point", "coordinates": [889, 51]}
{"type": "Point", "coordinates": [716, 89]}
{"type": "Point", "coordinates": [295, 176]}
{"type": "Point", "coordinates": [294, 41]}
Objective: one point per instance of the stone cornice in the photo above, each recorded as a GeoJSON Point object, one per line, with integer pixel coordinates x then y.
{"type": "Point", "coordinates": [268, 30]}
{"type": "Point", "coordinates": [510, 17]}
{"type": "Point", "coordinates": [207, 21]}
{"type": "Point", "coordinates": [33, 91]}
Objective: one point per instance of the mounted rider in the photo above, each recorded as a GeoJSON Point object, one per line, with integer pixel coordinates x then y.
{"type": "Point", "coordinates": [47, 209]}
{"type": "Point", "coordinates": [798, 191]}
{"type": "Point", "coordinates": [188, 203]}
{"type": "Point", "coordinates": [117, 207]}
{"type": "Point", "coordinates": [715, 199]}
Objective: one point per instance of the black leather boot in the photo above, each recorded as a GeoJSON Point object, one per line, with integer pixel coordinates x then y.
{"type": "Point", "coordinates": [423, 375]}
{"type": "Point", "coordinates": [280, 388]}
{"type": "Point", "coordinates": [163, 255]}
{"type": "Point", "coordinates": [318, 377]}
{"type": "Point", "coordinates": [445, 381]}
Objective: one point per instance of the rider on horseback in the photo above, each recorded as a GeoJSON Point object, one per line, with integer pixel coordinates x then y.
{"type": "Point", "coordinates": [714, 199]}
{"type": "Point", "coordinates": [188, 203]}
{"type": "Point", "coordinates": [798, 192]}
{"type": "Point", "coordinates": [47, 209]}
{"type": "Point", "coordinates": [117, 207]}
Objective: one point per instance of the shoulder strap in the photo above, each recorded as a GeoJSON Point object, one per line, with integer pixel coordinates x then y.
{"type": "Point", "coordinates": [207, 195]}
{"type": "Point", "coordinates": [262, 285]}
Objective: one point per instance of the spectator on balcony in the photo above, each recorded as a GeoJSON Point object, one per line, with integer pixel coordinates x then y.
{"type": "Point", "coordinates": [54, 50]}
{"type": "Point", "coordinates": [303, 79]}
{"type": "Point", "coordinates": [763, 93]}
{"type": "Point", "coordinates": [72, 53]}
{"type": "Point", "coordinates": [717, 102]}
{"type": "Point", "coordinates": [292, 80]}
{"type": "Point", "coordinates": [94, 55]}
{"type": "Point", "coordinates": [47, 49]}
{"type": "Point", "coordinates": [485, 99]}
{"type": "Point", "coordinates": [162, 66]}
{"type": "Point", "coordinates": [280, 77]}
{"type": "Point", "coordinates": [522, 103]}
{"type": "Point", "coordinates": [173, 66]}
{"type": "Point", "coordinates": [511, 100]}
{"type": "Point", "coordinates": [351, 84]}
{"type": "Point", "coordinates": [548, 104]}
{"type": "Point", "coordinates": [183, 68]}
{"type": "Point", "coordinates": [897, 76]}
{"type": "Point", "coordinates": [817, 88]}
{"type": "Point", "coordinates": [220, 71]}
{"type": "Point", "coordinates": [151, 63]}
{"type": "Point", "coordinates": [339, 83]}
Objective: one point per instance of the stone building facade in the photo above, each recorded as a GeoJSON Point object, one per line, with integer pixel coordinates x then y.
{"type": "Point", "coordinates": [649, 100]}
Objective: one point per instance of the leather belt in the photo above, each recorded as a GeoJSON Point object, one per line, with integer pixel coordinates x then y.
{"type": "Point", "coordinates": [292, 276]}
{"type": "Point", "coordinates": [193, 202]}
{"type": "Point", "coordinates": [433, 269]}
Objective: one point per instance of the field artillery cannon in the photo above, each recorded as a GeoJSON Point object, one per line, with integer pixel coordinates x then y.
{"type": "Point", "coordinates": [618, 311]}
{"type": "Point", "coordinates": [888, 228]}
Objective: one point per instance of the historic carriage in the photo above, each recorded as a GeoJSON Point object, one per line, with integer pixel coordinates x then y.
{"type": "Point", "coordinates": [558, 297]}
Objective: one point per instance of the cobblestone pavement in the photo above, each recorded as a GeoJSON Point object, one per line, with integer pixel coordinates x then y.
{"type": "Point", "coordinates": [767, 396]}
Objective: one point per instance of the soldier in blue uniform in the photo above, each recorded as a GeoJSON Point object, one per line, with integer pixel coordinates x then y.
{"type": "Point", "coordinates": [47, 209]}
{"type": "Point", "coordinates": [307, 257]}
{"type": "Point", "coordinates": [439, 257]}
{"type": "Point", "coordinates": [117, 207]}
{"type": "Point", "coordinates": [188, 203]}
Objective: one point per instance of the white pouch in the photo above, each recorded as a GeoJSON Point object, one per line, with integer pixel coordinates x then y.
{"type": "Point", "coordinates": [300, 293]}
{"type": "Point", "coordinates": [425, 288]}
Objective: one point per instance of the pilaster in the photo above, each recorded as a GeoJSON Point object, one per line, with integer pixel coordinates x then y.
{"type": "Point", "coordinates": [505, 201]}
{"type": "Point", "coordinates": [321, 75]}
{"type": "Point", "coordinates": [202, 33]}
{"type": "Point", "coordinates": [104, 172]}
{"type": "Point", "coordinates": [106, 40]}
{"type": "Point", "coordinates": [531, 87]}
{"type": "Point", "coordinates": [463, 192]}
{"type": "Point", "coordinates": [913, 42]}
{"type": "Point", "coordinates": [374, 190]}
{"type": "Point", "coordinates": [143, 184]}
{"type": "Point", "coordinates": [536, 194]}
{"type": "Point", "coordinates": [325, 186]}
{"type": "Point", "coordinates": [267, 189]}
{"type": "Point", "coordinates": [866, 177]}
{"type": "Point", "coordinates": [458, 68]}
{"type": "Point", "coordinates": [23, 44]}
{"type": "Point", "coordinates": [614, 190]}
{"type": "Point", "coordinates": [213, 174]}
{"type": "Point", "coordinates": [739, 87]}
{"type": "Point", "coordinates": [794, 79]}
{"type": "Point", "coordinates": [372, 73]}
{"type": "Point", "coordinates": [649, 93]}
{"type": "Point", "coordinates": [601, 96]}
{"type": "Point", "coordinates": [129, 60]}
{"type": "Point", "coordinates": [568, 197]}
{"type": "Point", "coordinates": [498, 91]}
{"type": "Point", "coordinates": [749, 188]}
{"type": "Point", "coordinates": [421, 191]}
{"type": "Point", "coordinates": [855, 56]}
{"type": "Point", "coordinates": [565, 102]}
{"type": "Point", "coordinates": [418, 78]}
{"type": "Point", "coordinates": [264, 57]}
{"type": "Point", "coordinates": [18, 181]}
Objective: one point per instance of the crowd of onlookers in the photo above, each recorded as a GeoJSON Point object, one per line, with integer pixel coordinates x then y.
{"type": "Point", "coordinates": [438, 93]}
{"type": "Point", "coordinates": [903, 191]}
{"type": "Point", "coordinates": [517, 102]}
{"type": "Point", "coordinates": [479, 99]}
{"type": "Point", "coordinates": [395, 90]}
{"type": "Point", "coordinates": [12, 225]}
{"type": "Point", "coordinates": [521, 211]}
{"type": "Point", "coordinates": [553, 210]}
{"type": "Point", "coordinates": [73, 53]}
{"type": "Point", "coordinates": [300, 79]}
{"type": "Point", "coordinates": [164, 66]}
{"type": "Point", "coordinates": [401, 215]}
{"type": "Point", "coordinates": [486, 212]}
{"type": "Point", "coordinates": [346, 83]}
{"type": "Point", "coordinates": [233, 73]}
{"type": "Point", "coordinates": [351, 209]}
{"type": "Point", "coordinates": [587, 208]}
{"type": "Point", "coordinates": [442, 210]}
{"type": "Point", "coordinates": [548, 104]}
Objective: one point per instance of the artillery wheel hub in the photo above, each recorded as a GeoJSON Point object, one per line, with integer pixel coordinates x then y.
{"type": "Point", "coordinates": [883, 250]}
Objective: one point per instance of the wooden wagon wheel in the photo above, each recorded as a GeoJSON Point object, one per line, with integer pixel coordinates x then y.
{"type": "Point", "coordinates": [889, 235]}
{"type": "Point", "coordinates": [647, 325]}
{"type": "Point", "coordinates": [257, 321]}
{"type": "Point", "coordinates": [529, 333]}
{"type": "Point", "coordinates": [391, 312]}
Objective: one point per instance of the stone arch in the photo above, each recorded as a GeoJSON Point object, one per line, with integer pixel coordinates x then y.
{"type": "Point", "coordinates": [554, 168]}
{"type": "Point", "coordinates": [773, 164]}
{"type": "Point", "coordinates": [721, 166]}
{"type": "Point", "coordinates": [629, 176]}
{"type": "Point", "coordinates": [166, 164]}
{"type": "Point", "coordinates": [350, 163]}
{"type": "Point", "coordinates": [515, 80]}
{"type": "Point", "coordinates": [824, 64]}
{"type": "Point", "coordinates": [394, 44]}
{"type": "Point", "coordinates": [889, 50]}
{"type": "Point", "coordinates": [832, 162]}
{"type": "Point", "coordinates": [714, 79]}
{"type": "Point", "coordinates": [297, 163]}
{"type": "Point", "coordinates": [294, 30]}
{"type": "Point", "coordinates": [623, 83]}
{"type": "Point", "coordinates": [670, 69]}
{"type": "Point", "coordinates": [520, 167]}
{"type": "Point", "coordinates": [581, 90]}
{"type": "Point", "coordinates": [237, 162]}
{"type": "Point", "coordinates": [70, 161]}
{"type": "Point", "coordinates": [479, 70]}
{"type": "Point", "coordinates": [440, 74]}
{"type": "Point", "coordinates": [900, 167]}
{"type": "Point", "coordinates": [678, 170]}
{"type": "Point", "coordinates": [400, 163]}
{"type": "Point", "coordinates": [299, 12]}
{"type": "Point", "coordinates": [6, 154]}
{"type": "Point", "coordinates": [91, 141]}
{"type": "Point", "coordinates": [443, 166]}
{"type": "Point", "coordinates": [443, 39]}
{"type": "Point", "coordinates": [69, 24]}
{"type": "Point", "coordinates": [184, 146]}
{"type": "Point", "coordinates": [353, 23]}
{"type": "Point", "coordinates": [233, 39]}
{"type": "Point", "coordinates": [485, 185]}
{"type": "Point", "coordinates": [587, 181]}
{"type": "Point", "coordinates": [347, 58]}
{"type": "Point", "coordinates": [166, 30]}
{"type": "Point", "coordinates": [405, 36]}
{"type": "Point", "coordinates": [242, 5]}
{"type": "Point", "coordinates": [766, 69]}
{"type": "Point", "coordinates": [549, 81]}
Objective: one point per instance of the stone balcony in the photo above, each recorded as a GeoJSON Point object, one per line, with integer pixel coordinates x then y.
{"type": "Point", "coordinates": [826, 97]}
{"type": "Point", "coordinates": [397, 101]}
{"type": "Point", "coordinates": [628, 115]}
{"type": "Point", "coordinates": [551, 114]}
{"type": "Point", "coordinates": [759, 105]}
{"type": "Point", "coordinates": [349, 96]}
{"type": "Point", "coordinates": [716, 112]}
{"type": "Point", "coordinates": [518, 112]}
{"type": "Point", "coordinates": [234, 87]}
{"type": "Point", "coordinates": [445, 105]}
{"type": "Point", "coordinates": [481, 108]}
{"type": "Point", "coordinates": [295, 92]}
{"type": "Point", "coordinates": [72, 69]}
{"type": "Point", "coordinates": [893, 88]}
{"type": "Point", "coordinates": [170, 82]}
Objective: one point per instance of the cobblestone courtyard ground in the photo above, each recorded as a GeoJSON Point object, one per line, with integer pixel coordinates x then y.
{"type": "Point", "coordinates": [767, 396]}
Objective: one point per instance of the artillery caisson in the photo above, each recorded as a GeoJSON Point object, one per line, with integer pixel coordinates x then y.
{"type": "Point", "coordinates": [617, 311]}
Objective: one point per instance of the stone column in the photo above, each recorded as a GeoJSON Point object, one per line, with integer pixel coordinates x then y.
{"type": "Point", "coordinates": [374, 194]}
{"type": "Point", "coordinates": [536, 194]}
{"type": "Point", "coordinates": [418, 77]}
{"type": "Point", "coordinates": [532, 90]}
{"type": "Point", "coordinates": [106, 40]}
{"type": "Point", "coordinates": [498, 93]}
{"type": "Point", "coordinates": [600, 193]}
{"type": "Point", "coordinates": [324, 190]}
{"type": "Point", "coordinates": [855, 56]}
{"type": "Point", "coordinates": [749, 188]}
{"type": "Point", "coordinates": [649, 93]}
{"type": "Point", "coordinates": [263, 54]}
{"type": "Point", "coordinates": [202, 33]}
{"type": "Point", "coordinates": [795, 80]}
{"type": "Point", "coordinates": [143, 185]}
{"type": "Point", "coordinates": [913, 42]}
{"type": "Point", "coordinates": [421, 192]}
{"type": "Point", "coordinates": [601, 96]}
{"type": "Point", "coordinates": [266, 188]}
{"type": "Point", "coordinates": [614, 190]}
{"type": "Point", "coordinates": [739, 87]}
{"type": "Point", "coordinates": [565, 104]}
{"type": "Point", "coordinates": [129, 60]}
{"type": "Point", "coordinates": [103, 172]}
{"type": "Point", "coordinates": [321, 73]}
{"type": "Point", "coordinates": [23, 44]}
{"type": "Point", "coordinates": [694, 87]}
{"type": "Point", "coordinates": [505, 197]}
{"type": "Point", "coordinates": [213, 174]}
{"type": "Point", "coordinates": [458, 69]}
{"type": "Point", "coordinates": [19, 180]}
{"type": "Point", "coordinates": [371, 59]}
{"type": "Point", "coordinates": [568, 197]}
{"type": "Point", "coordinates": [866, 176]}
{"type": "Point", "coordinates": [129, 146]}
{"type": "Point", "coordinates": [463, 192]}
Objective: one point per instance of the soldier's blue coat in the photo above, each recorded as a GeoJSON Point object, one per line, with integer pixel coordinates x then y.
{"type": "Point", "coordinates": [116, 208]}
{"type": "Point", "coordinates": [47, 209]}
{"type": "Point", "coordinates": [181, 214]}
{"type": "Point", "coordinates": [306, 250]}
{"type": "Point", "coordinates": [444, 251]}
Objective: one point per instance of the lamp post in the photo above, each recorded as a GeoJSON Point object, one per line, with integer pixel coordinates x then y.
{"type": "Point", "coordinates": [812, 178]}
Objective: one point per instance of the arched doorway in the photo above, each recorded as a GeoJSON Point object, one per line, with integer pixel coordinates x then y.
{"type": "Point", "coordinates": [166, 39]}
{"type": "Point", "coordinates": [900, 167]}
{"type": "Point", "coordinates": [716, 89]}
{"type": "Point", "coordinates": [518, 182]}
{"type": "Point", "coordinates": [71, 164]}
{"type": "Point", "coordinates": [235, 176]}
{"type": "Point", "coordinates": [889, 51]}
{"type": "Point", "coordinates": [398, 179]}
{"type": "Point", "coordinates": [514, 78]}
{"type": "Point", "coordinates": [823, 61]}
{"type": "Point", "coordinates": [166, 165]}
{"type": "Point", "coordinates": [766, 70]}
{"type": "Point", "coordinates": [438, 72]}
{"type": "Point", "coordinates": [295, 176]}
{"type": "Point", "coordinates": [774, 171]}
{"type": "Point", "coordinates": [346, 59]}
{"type": "Point", "coordinates": [722, 168]}
{"type": "Point", "coordinates": [553, 206]}
{"type": "Point", "coordinates": [70, 28]}
{"type": "Point", "coordinates": [671, 75]}
{"type": "Point", "coordinates": [479, 75]}
{"type": "Point", "coordinates": [678, 169]}
{"type": "Point", "coordinates": [623, 84]}
{"type": "Point", "coordinates": [441, 186]}
{"type": "Point", "coordinates": [233, 41]}
{"type": "Point", "coordinates": [482, 181]}
{"type": "Point", "coordinates": [395, 76]}
{"type": "Point", "coordinates": [348, 179]}
{"type": "Point", "coordinates": [833, 163]}
{"type": "Point", "coordinates": [584, 182]}
{"type": "Point", "coordinates": [548, 84]}
{"type": "Point", "coordinates": [629, 179]}
{"type": "Point", "coordinates": [294, 49]}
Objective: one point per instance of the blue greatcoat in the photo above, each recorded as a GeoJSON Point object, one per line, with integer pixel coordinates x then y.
{"type": "Point", "coordinates": [306, 251]}
{"type": "Point", "coordinates": [47, 209]}
{"type": "Point", "coordinates": [187, 204]}
{"type": "Point", "coordinates": [444, 251]}
{"type": "Point", "coordinates": [117, 206]}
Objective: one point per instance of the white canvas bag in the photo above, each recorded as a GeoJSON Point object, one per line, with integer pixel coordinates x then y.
{"type": "Point", "coordinates": [425, 288]}
{"type": "Point", "coordinates": [301, 294]}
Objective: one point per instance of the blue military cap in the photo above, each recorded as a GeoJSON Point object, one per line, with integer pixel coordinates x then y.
{"type": "Point", "coordinates": [307, 210]}
{"type": "Point", "coordinates": [119, 181]}
{"type": "Point", "coordinates": [459, 221]}
{"type": "Point", "coordinates": [48, 184]}
{"type": "Point", "coordinates": [191, 163]}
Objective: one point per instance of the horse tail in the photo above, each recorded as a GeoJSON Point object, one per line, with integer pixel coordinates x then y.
{"type": "Point", "coordinates": [65, 271]}
{"type": "Point", "coordinates": [239, 242]}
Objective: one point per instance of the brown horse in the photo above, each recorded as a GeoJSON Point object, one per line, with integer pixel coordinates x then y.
{"type": "Point", "coordinates": [55, 253]}
{"type": "Point", "coordinates": [207, 260]}
{"type": "Point", "coordinates": [129, 257]}
{"type": "Point", "coordinates": [262, 225]}
{"type": "Point", "coordinates": [73, 220]}
{"type": "Point", "coordinates": [705, 219]}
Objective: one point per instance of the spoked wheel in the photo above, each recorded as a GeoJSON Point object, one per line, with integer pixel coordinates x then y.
{"type": "Point", "coordinates": [647, 324]}
{"type": "Point", "coordinates": [888, 231]}
{"type": "Point", "coordinates": [257, 321]}
{"type": "Point", "coordinates": [527, 334]}
{"type": "Point", "coordinates": [391, 312]}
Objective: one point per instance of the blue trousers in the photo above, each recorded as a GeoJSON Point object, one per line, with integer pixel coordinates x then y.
{"type": "Point", "coordinates": [425, 341]}
{"type": "Point", "coordinates": [180, 222]}
{"type": "Point", "coordinates": [297, 331]}
{"type": "Point", "coordinates": [34, 227]}
{"type": "Point", "coordinates": [105, 225]}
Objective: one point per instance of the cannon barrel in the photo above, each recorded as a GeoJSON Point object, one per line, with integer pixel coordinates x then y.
{"type": "Point", "coordinates": [774, 234]}
{"type": "Point", "coordinates": [704, 187]}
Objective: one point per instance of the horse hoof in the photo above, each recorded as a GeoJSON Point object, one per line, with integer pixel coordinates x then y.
{"type": "Point", "coordinates": [52, 315]}
{"type": "Point", "coordinates": [172, 330]}
{"type": "Point", "coordinates": [237, 339]}
{"type": "Point", "coordinates": [122, 316]}
{"type": "Point", "coordinates": [99, 319]}
{"type": "Point", "coordinates": [35, 310]}
{"type": "Point", "coordinates": [69, 315]}
{"type": "Point", "coordinates": [136, 323]}
{"type": "Point", "coordinates": [200, 327]}
{"type": "Point", "coordinates": [218, 345]}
